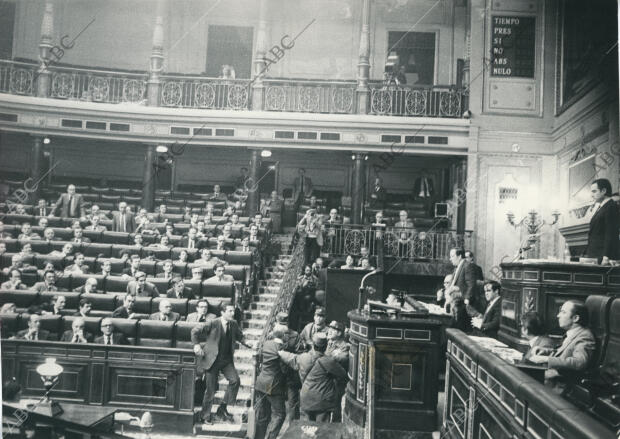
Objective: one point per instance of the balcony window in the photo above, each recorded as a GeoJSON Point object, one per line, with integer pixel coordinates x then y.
{"type": "Point", "coordinates": [415, 53]}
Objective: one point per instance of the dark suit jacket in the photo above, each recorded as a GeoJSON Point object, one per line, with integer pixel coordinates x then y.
{"type": "Point", "coordinates": [149, 290]}
{"type": "Point", "coordinates": [43, 334]}
{"type": "Point", "coordinates": [478, 271]}
{"type": "Point", "coordinates": [208, 336]}
{"type": "Point", "coordinates": [198, 243]}
{"type": "Point", "coordinates": [380, 195]}
{"type": "Point", "coordinates": [187, 294]}
{"type": "Point", "coordinates": [67, 336]}
{"type": "Point", "coordinates": [490, 320]}
{"type": "Point", "coordinates": [173, 317]}
{"type": "Point", "coordinates": [466, 281]}
{"type": "Point", "coordinates": [603, 234]}
{"type": "Point", "coordinates": [130, 223]}
{"type": "Point", "coordinates": [127, 271]}
{"type": "Point", "coordinates": [121, 312]}
{"type": "Point", "coordinates": [62, 206]}
{"type": "Point", "coordinates": [272, 377]}
{"type": "Point", "coordinates": [117, 338]}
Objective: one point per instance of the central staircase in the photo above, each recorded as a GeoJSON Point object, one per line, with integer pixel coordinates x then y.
{"type": "Point", "coordinates": [255, 320]}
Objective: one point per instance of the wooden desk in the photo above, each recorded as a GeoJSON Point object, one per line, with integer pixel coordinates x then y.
{"type": "Point", "coordinates": [543, 286]}
{"type": "Point", "coordinates": [393, 375]}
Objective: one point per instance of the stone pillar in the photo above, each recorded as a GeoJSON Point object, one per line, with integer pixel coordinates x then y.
{"type": "Point", "coordinates": [358, 190]}
{"type": "Point", "coordinates": [42, 79]}
{"type": "Point", "coordinates": [252, 183]}
{"type": "Point", "coordinates": [259, 58]}
{"type": "Point", "coordinates": [36, 170]}
{"type": "Point", "coordinates": [157, 58]}
{"type": "Point", "coordinates": [148, 179]}
{"type": "Point", "coordinates": [363, 63]}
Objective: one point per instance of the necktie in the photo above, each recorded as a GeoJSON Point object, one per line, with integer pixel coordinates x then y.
{"type": "Point", "coordinates": [201, 319]}
{"type": "Point", "coordinates": [164, 317]}
{"type": "Point", "coordinates": [123, 222]}
{"type": "Point", "coordinates": [302, 187]}
{"type": "Point", "coordinates": [226, 327]}
{"type": "Point", "coordinates": [108, 340]}
{"type": "Point", "coordinates": [191, 243]}
{"type": "Point", "coordinates": [42, 212]}
{"type": "Point", "coordinates": [72, 206]}
{"type": "Point", "coordinates": [76, 338]}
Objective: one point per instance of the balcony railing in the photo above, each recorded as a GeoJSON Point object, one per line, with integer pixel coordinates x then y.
{"type": "Point", "coordinates": [404, 243]}
{"type": "Point", "coordinates": [201, 92]}
{"type": "Point", "coordinates": [17, 78]}
{"type": "Point", "coordinates": [97, 85]}
{"type": "Point", "coordinates": [310, 96]}
{"type": "Point", "coordinates": [434, 101]}
{"type": "Point", "coordinates": [194, 91]}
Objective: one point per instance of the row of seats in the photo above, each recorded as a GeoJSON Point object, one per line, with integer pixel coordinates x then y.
{"type": "Point", "coordinates": [59, 188]}
{"type": "Point", "coordinates": [104, 304]}
{"type": "Point", "coordinates": [142, 332]}
{"type": "Point", "coordinates": [71, 281]}
{"type": "Point", "coordinates": [120, 238]}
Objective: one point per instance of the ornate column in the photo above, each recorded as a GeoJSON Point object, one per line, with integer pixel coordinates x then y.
{"type": "Point", "coordinates": [259, 58]}
{"type": "Point", "coordinates": [358, 190]}
{"type": "Point", "coordinates": [36, 169]}
{"type": "Point", "coordinates": [157, 58]}
{"type": "Point", "coordinates": [253, 200]}
{"type": "Point", "coordinates": [148, 178]}
{"type": "Point", "coordinates": [363, 64]}
{"type": "Point", "coordinates": [43, 75]}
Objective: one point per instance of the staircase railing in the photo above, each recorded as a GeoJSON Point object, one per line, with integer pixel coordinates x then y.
{"type": "Point", "coordinates": [283, 302]}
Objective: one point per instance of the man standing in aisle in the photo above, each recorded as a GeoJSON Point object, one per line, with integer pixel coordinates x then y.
{"type": "Point", "coordinates": [214, 346]}
{"type": "Point", "coordinates": [69, 205]}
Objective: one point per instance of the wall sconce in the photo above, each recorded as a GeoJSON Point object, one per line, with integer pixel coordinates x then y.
{"type": "Point", "coordinates": [50, 373]}
{"type": "Point", "coordinates": [532, 221]}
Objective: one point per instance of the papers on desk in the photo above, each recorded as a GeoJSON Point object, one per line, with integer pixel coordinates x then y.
{"type": "Point", "coordinates": [435, 309]}
{"type": "Point", "coordinates": [500, 349]}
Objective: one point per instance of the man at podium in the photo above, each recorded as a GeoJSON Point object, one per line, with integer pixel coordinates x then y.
{"type": "Point", "coordinates": [603, 242]}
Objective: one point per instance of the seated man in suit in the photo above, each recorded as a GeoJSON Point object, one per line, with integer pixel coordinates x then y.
{"type": "Point", "coordinates": [49, 235]}
{"type": "Point", "coordinates": [442, 292]}
{"type": "Point", "coordinates": [532, 329]}
{"type": "Point", "coordinates": [572, 358]}
{"type": "Point", "coordinates": [106, 268]}
{"type": "Point", "coordinates": [140, 287]}
{"type": "Point", "coordinates": [48, 283]}
{"type": "Point", "coordinates": [43, 222]}
{"type": "Point", "coordinates": [108, 336]}
{"type": "Point", "coordinates": [365, 264]}
{"type": "Point", "coordinates": [78, 266]}
{"type": "Point", "coordinates": [167, 273]}
{"type": "Point", "coordinates": [222, 244]}
{"type": "Point", "coordinates": [125, 311]}
{"type": "Point", "coordinates": [27, 233]}
{"type": "Point", "coordinates": [14, 282]}
{"type": "Point", "coordinates": [77, 334]}
{"type": "Point", "coordinates": [197, 273]}
{"type": "Point", "coordinates": [134, 267]}
{"type": "Point", "coordinates": [78, 236]}
{"type": "Point", "coordinates": [34, 331]}
{"type": "Point", "coordinates": [217, 194]}
{"type": "Point", "coordinates": [17, 263]}
{"type": "Point", "coordinates": [89, 287]}
{"type": "Point", "coordinates": [41, 209]}
{"type": "Point", "coordinates": [67, 250]}
{"type": "Point", "coordinates": [191, 240]}
{"type": "Point", "coordinates": [84, 308]}
{"type": "Point", "coordinates": [245, 246]}
{"type": "Point", "coordinates": [488, 324]}
{"type": "Point", "coordinates": [95, 211]}
{"type": "Point", "coordinates": [203, 312]}
{"type": "Point", "coordinates": [56, 306]}
{"type": "Point", "coordinates": [219, 275]}
{"type": "Point", "coordinates": [165, 313]}
{"type": "Point", "coordinates": [179, 290]}
{"type": "Point", "coordinates": [95, 226]}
